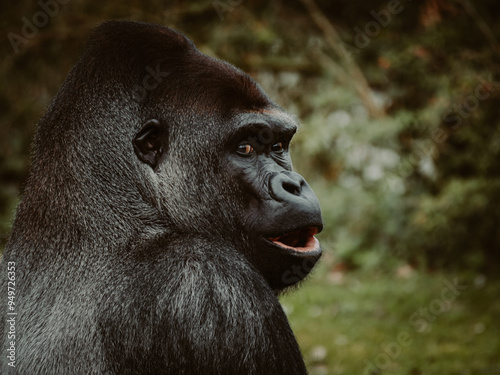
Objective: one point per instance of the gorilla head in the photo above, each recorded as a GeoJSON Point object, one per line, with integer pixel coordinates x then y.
{"type": "Point", "coordinates": [201, 143]}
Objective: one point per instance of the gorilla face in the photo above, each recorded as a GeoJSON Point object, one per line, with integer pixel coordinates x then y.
{"type": "Point", "coordinates": [282, 214]}
{"type": "Point", "coordinates": [282, 207]}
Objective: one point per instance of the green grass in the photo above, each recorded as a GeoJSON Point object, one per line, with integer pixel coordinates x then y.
{"type": "Point", "coordinates": [343, 322]}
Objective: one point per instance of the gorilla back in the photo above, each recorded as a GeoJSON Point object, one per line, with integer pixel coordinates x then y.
{"type": "Point", "coordinates": [160, 220]}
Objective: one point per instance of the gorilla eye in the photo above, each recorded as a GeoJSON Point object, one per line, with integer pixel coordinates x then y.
{"type": "Point", "coordinates": [278, 148]}
{"type": "Point", "coordinates": [244, 149]}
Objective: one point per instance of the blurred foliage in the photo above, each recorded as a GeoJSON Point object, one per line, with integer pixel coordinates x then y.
{"type": "Point", "coordinates": [418, 184]}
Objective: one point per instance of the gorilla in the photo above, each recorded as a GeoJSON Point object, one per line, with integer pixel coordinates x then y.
{"type": "Point", "coordinates": [160, 221]}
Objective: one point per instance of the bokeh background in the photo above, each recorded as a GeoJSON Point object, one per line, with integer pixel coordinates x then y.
{"type": "Point", "coordinates": [400, 105]}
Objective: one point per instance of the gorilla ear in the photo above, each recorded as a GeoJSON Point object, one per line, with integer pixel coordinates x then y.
{"type": "Point", "coordinates": [148, 143]}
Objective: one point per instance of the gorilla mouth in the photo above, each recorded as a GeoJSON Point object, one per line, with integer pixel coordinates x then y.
{"type": "Point", "coordinates": [302, 240]}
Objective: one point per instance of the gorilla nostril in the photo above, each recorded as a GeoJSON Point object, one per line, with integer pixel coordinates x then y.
{"type": "Point", "coordinates": [283, 184]}
{"type": "Point", "coordinates": [292, 187]}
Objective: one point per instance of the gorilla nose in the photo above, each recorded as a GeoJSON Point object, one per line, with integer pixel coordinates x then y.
{"type": "Point", "coordinates": [293, 201]}
{"type": "Point", "coordinates": [284, 185]}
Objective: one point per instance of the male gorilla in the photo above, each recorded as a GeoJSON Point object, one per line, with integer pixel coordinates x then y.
{"type": "Point", "coordinates": [160, 220]}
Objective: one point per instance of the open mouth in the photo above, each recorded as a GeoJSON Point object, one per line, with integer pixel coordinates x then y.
{"type": "Point", "coordinates": [302, 240]}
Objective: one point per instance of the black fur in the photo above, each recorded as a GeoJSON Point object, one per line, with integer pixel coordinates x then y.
{"type": "Point", "coordinates": [139, 245]}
